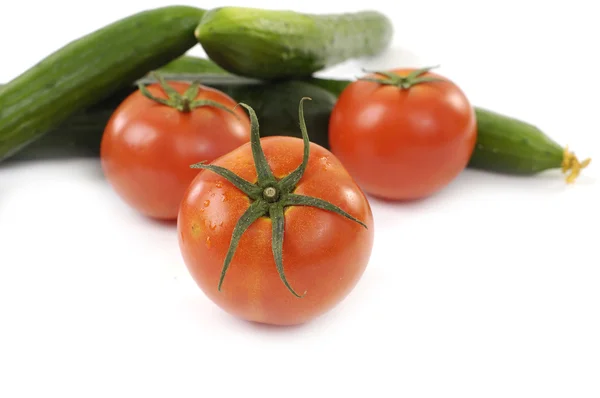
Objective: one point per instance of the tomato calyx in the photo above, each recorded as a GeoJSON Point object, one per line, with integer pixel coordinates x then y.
{"type": "Point", "coordinates": [185, 102]}
{"type": "Point", "coordinates": [403, 82]}
{"type": "Point", "coordinates": [270, 196]}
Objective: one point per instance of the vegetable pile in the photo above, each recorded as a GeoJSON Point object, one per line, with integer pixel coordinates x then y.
{"type": "Point", "coordinates": [266, 169]}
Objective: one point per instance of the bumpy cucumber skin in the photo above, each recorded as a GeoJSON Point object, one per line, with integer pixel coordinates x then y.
{"type": "Point", "coordinates": [509, 145]}
{"type": "Point", "coordinates": [89, 69]}
{"type": "Point", "coordinates": [279, 44]}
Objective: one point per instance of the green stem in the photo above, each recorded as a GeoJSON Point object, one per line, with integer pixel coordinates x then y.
{"type": "Point", "coordinates": [278, 230]}
{"type": "Point", "coordinates": [144, 90]}
{"type": "Point", "coordinates": [254, 212]}
{"type": "Point", "coordinates": [403, 82]}
{"type": "Point", "coordinates": [251, 190]}
{"type": "Point", "coordinates": [185, 105]}
{"type": "Point", "coordinates": [185, 102]}
{"type": "Point", "coordinates": [292, 179]}
{"type": "Point", "coordinates": [265, 175]}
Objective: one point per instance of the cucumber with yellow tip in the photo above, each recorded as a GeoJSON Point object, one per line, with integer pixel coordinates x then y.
{"type": "Point", "coordinates": [504, 144]}
{"type": "Point", "coordinates": [509, 145]}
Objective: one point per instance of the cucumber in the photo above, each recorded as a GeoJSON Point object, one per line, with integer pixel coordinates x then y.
{"type": "Point", "coordinates": [504, 144]}
{"type": "Point", "coordinates": [89, 69]}
{"type": "Point", "coordinates": [190, 64]}
{"type": "Point", "coordinates": [276, 105]}
{"type": "Point", "coordinates": [79, 136]}
{"type": "Point", "coordinates": [81, 133]}
{"type": "Point", "coordinates": [334, 86]}
{"type": "Point", "coordinates": [279, 44]}
{"type": "Point", "coordinates": [512, 146]}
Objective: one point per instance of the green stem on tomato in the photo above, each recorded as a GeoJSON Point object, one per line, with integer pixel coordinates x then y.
{"type": "Point", "coordinates": [270, 196]}
{"type": "Point", "coordinates": [402, 82]}
{"type": "Point", "coordinates": [185, 102]}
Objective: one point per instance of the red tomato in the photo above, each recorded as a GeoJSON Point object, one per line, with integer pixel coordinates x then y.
{"type": "Point", "coordinates": [148, 147]}
{"type": "Point", "coordinates": [324, 254]}
{"type": "Point", "coordinates": [403, 143]}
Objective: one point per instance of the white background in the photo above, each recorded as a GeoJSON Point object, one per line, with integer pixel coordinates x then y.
{"type": "Point", "coordinates": [488, 289]}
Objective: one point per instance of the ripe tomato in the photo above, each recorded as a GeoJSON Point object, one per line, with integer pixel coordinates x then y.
{"type": "Point", "coordinates": [322, 255]}
{"type": "Point", "coordinates": [403, 136]}
{"type": "Point", "coordinates": [150, 142]}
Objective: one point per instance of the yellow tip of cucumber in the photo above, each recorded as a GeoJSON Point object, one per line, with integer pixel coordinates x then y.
{"type": "Point", "coordinates": [571, 166]}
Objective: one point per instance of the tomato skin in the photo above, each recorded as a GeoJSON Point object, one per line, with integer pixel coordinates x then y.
{"type": "Point", "coordinates": [403, 144]}
{"type": "Point", "coordinates": [147, 148]}
{"type": "Point", "coordinates": [324, 253]}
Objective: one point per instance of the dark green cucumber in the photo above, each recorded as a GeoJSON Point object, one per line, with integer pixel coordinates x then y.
{"type": "Point", "coordinates": [504, 144]}
{"type": "Point", "coordinates": [78, 136]}
{"type": "Point", "coordinates": [276, 105]}
{"type": "Point", "coordinates": [278, 44]}
{"type": "Point", "coordinates": [509, 145]}
{"type": "Point", "coordinates": [334, 86]}
{"type": "Point", "coordinates": [89, 69]}
{"type": "Point", "coordinates": [81, 133]}
{"type": "Point", "coordinates": [190, 64]}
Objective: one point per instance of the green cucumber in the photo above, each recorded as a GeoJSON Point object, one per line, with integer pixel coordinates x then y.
{"type": "Point", "coordinates": [504, 144]}
{"type": "Point", "coordinates": [279, 44]}
{"type": "Point", "coordinates": [334, 86]}
{"type": "Point", "coordinates": [190, 64]}
{"type": "Point", "coordinates": [89, 69]}
{"type": "Point", "coordinates": [276, 105]}
{"type": "Point", "coordinates": [78, 136]}
{"type": "Point", "coordinates": [512, 146]}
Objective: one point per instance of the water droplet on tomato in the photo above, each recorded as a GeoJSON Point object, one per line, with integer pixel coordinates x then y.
{"type": "Point", "coordinates": [206, 203]}
{"type": "Point", "coordinates": [218, 184]}
{"type": "Point", "coordinates": [196, 230]}
{"type": "Point", "coordinates": [325, 162]}
{"type": "Point", "coordinates": [208, 242]}
{"type": "Point", "coordinates": [223, 198]}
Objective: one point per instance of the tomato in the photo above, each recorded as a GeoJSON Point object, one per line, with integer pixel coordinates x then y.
{"type": "Point", "coordinates": [153, 137]}
{"type": "Point", "coordinates": [403, 136]}
{"type": "Point", "coordinates": [322, 253]}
